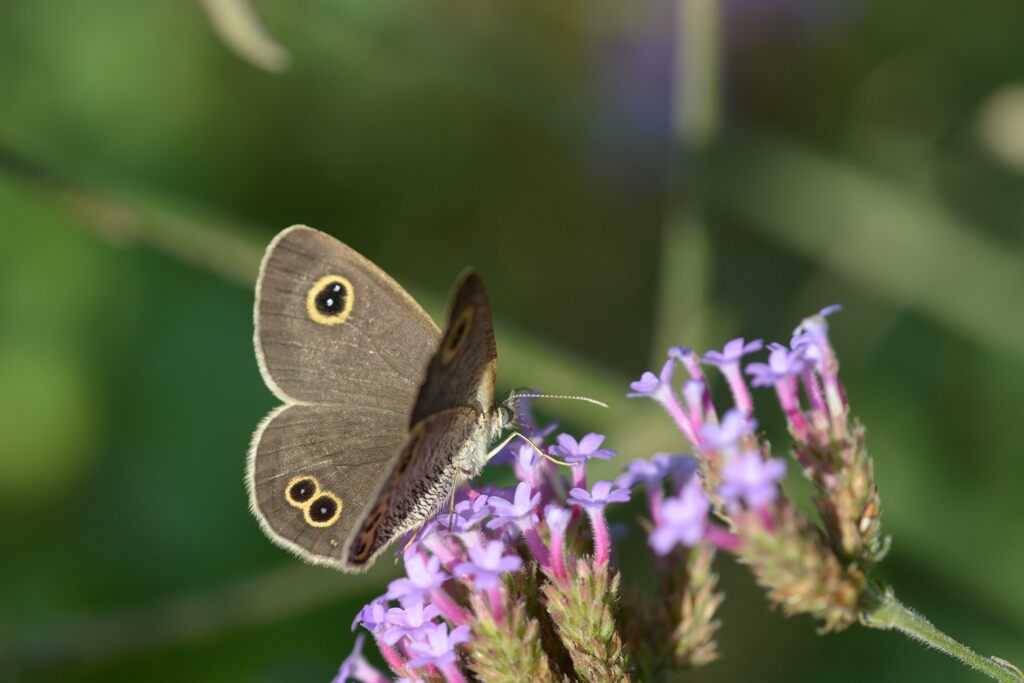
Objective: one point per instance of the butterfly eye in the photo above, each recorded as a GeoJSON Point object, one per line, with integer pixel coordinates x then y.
{"type": "Point", "coordinates": [457, 335]}
{"type": "Point", "coordinates": [324, 510]}
{"type": "Point", "coordinates": [330, 300]}
{"type": "Point", "coordinates": [300, 490]}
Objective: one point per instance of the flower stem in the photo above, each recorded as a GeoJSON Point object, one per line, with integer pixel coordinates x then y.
{"type": "Point", "coordinates": [452, 674]}
{"type": "Point", "coordinates": [392, 657]}
{"type": "Point", "coordinates": [536, 546]}
{"type": "Point", "coordinates": [602, 539]}
{"type": "Point", "coordinates": [558, 556]}
{"type": "Point", "coordinates": [886, 612]}
{"type": "Point", "coordinates": [449, 609]}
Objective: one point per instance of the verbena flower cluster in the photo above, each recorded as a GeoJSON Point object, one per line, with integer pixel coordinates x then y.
{"type": "Point", "coordinates": [518, 584]}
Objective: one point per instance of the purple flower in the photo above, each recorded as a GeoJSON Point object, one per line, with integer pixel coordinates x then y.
{"type": "Point", "coordinates": [528, 465]}
{"type": "Point", "coordinates": [423, 576]}
{"type": "Point", "coordinates": [413, 620]}
{"type": "Point", "coordinates": [521, 511]}
{"type": "Point", "coordinates": [437, 646]}
{"type": "Point", "coordinates": [732, 352]}
{"type": "Point", "coordinates": [602, 493]}
{"type": "Point", "coordinates": [812, 333]}
{"type": "Point", "coordinates": [750, 478]}
{"type": "Point", "coordinates": [679, 352]}
{"type": "Point", "coordinates": [693, 392]}
{"type": "Point", "coordinates": [526, 457]}
{"type": "Point", "coordinates": [588, 447]}
{"type": "Point", "coordinates": [679, 467]}
{"type": "Point", "coordinates": [557, 518]}
{"type": "Point", "coordinates": [782, 364]}
{"type": "Point", "coordinates": [830, 309]}
{"type": "Point", "coordinates": [356, 667]}
{"type": "Point", "coordinates": [650, 384]}
{"type": "Point", "coordinates": [372, 616]}
{"type": "Point", "coordinates": [488, 563]}
{"type": "Point", "coordinates": [649, 472]}
{"type": "Point", "coordinates": [683, 519]}
{"type": "Point", "coordinates": [728, 362]}
{"type": "Point", "coordinates": [726, 435]}
{"type": "Point", "coordinates": [468, 513]}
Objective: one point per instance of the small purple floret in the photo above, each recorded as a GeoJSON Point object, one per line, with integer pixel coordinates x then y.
{"type": "Point", "coordinates": [580, 452]}
{"type": "Point", "coordinates": [412, 620]}
{"type": "Point", "coordinates": [557, 518]}
{"type": "Point", "coordinates": [751, 479]}
{"type": "Point", "coordinates": [727, 434]}
{"type": "Point", "coordinates": [437, 646]}
{"type": "Point", "coordinates": [782, 364]}
{"type": "Point", "coordinates": [356, 667]}
{"type": "Point", "coordinates": [521, 511]}
{"type": "Point", "coordinates": [602, 493]}
{"type": "Point", "coordinates": [732, 352]}
{"type": "Point", "coordinates": [423, 576]}
{"type": "Point", "coordinates": [679, 468]}
{"type": "Point", "coordinates": [683, 519]}
{"type": "Point", "coordinates": [650, 384]}
{"type": "Point", "coordinates": [468, 514]}
{"type": "Point", "coordinates": [372, 616]}
{"type": "Point", "coordinates": [649, 472]}
{"type": "Point", "coordinates": [487, 564]}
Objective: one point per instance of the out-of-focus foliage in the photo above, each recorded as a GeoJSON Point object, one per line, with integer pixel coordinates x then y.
{"type": "Point", "coordinates": [868, 153]}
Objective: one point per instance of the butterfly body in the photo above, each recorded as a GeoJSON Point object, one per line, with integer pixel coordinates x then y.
{"type": "Point", "coordinates": [459, 455]}
{"type": "Point", "coordinates": [383, 412]}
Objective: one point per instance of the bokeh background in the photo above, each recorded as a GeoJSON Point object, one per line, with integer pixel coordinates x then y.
{"type": "Point", "coordinates": [625, 175]}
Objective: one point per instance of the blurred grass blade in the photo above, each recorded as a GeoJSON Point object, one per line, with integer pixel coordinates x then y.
{"type": "Point", "coordinates": [903, 245]}
{"type": "Point", "coordinates": [198, 617]}
{"type": "Point", "coordinates": [241, 29]}
{"type": "Point", "coordinates": [684, 266]}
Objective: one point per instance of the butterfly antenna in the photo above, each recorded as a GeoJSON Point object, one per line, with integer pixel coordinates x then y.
{"type": "Point", "coordinates": [565, 396]}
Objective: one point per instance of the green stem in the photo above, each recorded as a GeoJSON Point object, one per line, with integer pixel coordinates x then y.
{"type": "Point", "coordinates": [684, 271]}
{"type": "Point", "coordinates": [886, 612]}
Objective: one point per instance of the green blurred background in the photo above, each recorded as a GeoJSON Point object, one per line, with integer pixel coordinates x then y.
{"type": "Point", "coordinates": [625, 175]}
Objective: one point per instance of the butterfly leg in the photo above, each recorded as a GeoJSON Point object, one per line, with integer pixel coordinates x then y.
{"type": "Point", "coordinates": [408, 544]}
{"type": "Point", "coordinates": [497, 449]}
{"type": "Point", "coordinates": [541, 451]}
{"type": "Point", "coordinates": [451, 501]}
{"type": "Point", "coordinates": [458, 477]}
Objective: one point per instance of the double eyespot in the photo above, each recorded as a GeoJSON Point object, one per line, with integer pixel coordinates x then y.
{"type": "Point", "coordinates": [330, 300]}
{"type": "Point", "coordinates": [320, 508]}
{"type": "Point", "coordinates": [457, 335]}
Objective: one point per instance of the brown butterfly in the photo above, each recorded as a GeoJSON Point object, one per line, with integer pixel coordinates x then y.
{"type": "Point", "coordinates": [383, 413]}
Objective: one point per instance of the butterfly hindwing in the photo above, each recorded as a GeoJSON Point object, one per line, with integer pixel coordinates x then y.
{"type": "Point", "coordinates": [342, 455]}
{"type": "Point", "coordinates": [463, 369]}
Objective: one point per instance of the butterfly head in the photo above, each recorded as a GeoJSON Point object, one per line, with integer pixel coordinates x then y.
{"type": "Point", "coordinates": [508, 412]}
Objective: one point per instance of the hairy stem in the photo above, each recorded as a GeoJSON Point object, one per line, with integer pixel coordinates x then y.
{"type": "Point", "coordinates": [886, 612]}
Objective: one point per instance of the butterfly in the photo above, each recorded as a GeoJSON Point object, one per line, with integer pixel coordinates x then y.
{"type": "Point", "coordinates": [383, 413]}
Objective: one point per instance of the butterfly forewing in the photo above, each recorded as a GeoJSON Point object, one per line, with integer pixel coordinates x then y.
{"type": "Point", "coordinates": [450, 422]}
{"type": "Point", "coordinates": [418, 485]}
{"type": "Point", "coordinates": [462, 370]}
{"type": "Point", "coordinates": [331, 327]}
